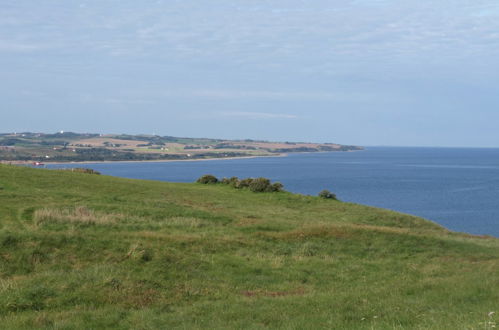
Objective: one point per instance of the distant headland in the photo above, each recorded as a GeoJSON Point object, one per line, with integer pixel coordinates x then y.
{"type": "Point", "coordinates": [84, 147]}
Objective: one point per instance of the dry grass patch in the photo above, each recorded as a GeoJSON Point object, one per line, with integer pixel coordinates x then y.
{"type": "Point", "coordinates": [190, 222]}
{"type": "Point", "coordinates": [274, 294]}
{"type": "Point", "coordinates": [8, 284]}
{"type": "Point", "coordinates": [312, 232]}
{"type": "Point", "coordinates": [248, 221]}
{"type": "Point", "coordinates": [76, 215]}
{"type": "Point", "coordinates": [154, 235]}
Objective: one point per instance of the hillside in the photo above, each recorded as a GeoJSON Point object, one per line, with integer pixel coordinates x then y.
{"type": "Point", "coordinates": [89, 251]}
{"type": "Point", "coordinates": [77, 147]}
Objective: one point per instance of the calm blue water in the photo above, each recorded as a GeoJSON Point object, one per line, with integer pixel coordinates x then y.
{"type": "Point", "coordinates": [458, 188]}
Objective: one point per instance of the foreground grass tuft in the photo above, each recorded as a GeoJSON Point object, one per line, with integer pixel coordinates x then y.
{"type": "Point", "coordinates": [79, 214]}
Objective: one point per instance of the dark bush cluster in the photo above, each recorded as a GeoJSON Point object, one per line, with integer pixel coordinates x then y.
{"type": "Point", "coordinates": [264, 185]}
{"type": "Point", "coordinates": [233, 181]}
{"type": "Point", "coordinates": [255, 185]}
{"type": "Point", "coordinates": [327, 194]}
{"type": "Point", "coordinates": [207, 179]}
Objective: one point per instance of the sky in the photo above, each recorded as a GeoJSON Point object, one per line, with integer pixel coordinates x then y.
{"type": "Point", "coordinates": [364, 72]}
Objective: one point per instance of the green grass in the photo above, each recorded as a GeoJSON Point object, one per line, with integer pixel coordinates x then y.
{"type": "Point", "coordinates": [91, 252]}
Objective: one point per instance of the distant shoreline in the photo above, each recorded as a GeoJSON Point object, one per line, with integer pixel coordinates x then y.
{"type": "Point", "coordinates": [76, 148]}
{"type": "Point", "coordinates": [140, 161]}
{"type": "Point", "coordinates": [30, 162]}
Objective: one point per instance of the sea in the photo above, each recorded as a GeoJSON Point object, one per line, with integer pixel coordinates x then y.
{"type": "Point", "coordinates": [455, 187]}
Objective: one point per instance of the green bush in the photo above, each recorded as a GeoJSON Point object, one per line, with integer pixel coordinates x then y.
{"type": "Point", "coordinates": [327, 194]}
{"type": "Point", "coordinates": [207, 179]}
{"type": "Point", "coordinates": [276, 187]}
{"type": "Point", "coordinates": [264, 185]}
{"type": "Point", "coordinates": [255, 185]}
{"type": "Point", "coordinates": [233, 181]}
{"type": "Point", "coordinates": [244, 183]}
{"type": "Point", "coordinates": [260, 185]}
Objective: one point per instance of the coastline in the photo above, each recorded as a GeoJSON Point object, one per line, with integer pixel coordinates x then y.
{"type": "Point", "coordinates": [30, 162]}
{"type": "Point", "coordinates": [148, 161]}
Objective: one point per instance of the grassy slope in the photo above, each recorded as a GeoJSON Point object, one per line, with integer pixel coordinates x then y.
{"type": "Point", "coordinates": [155, 255]}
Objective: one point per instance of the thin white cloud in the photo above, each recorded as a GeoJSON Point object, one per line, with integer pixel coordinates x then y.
{"type": "Point", "coordinates": [273, 33]}
{"type": "Point", "coordinates": [14, 47]}
{"type": "Point", "coordinates": [233, 94]}
{"type": "Point", "coordinates": [252, 94]}
{"type": "Point", "coordinates": [256, 115]}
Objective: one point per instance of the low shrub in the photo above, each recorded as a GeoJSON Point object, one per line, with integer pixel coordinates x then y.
{"type": "Point", "coordinates": [207, 179]}
{"type": "Point", "coordinates": [277, 186]}
{"type": "Point", "coordinates": [327, 194]}
{"type": "Point", "coordinates": [264, 185]}
{"type": "Point", "coordinates": [255, 185]}
{"type": "Point", "coordinates": [244, 183]}
{"type": "Point", "coordinates": [260, 185]}
{"type": "Point", "coordinates": [233, 181]}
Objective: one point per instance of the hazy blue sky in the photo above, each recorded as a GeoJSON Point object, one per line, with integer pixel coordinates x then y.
{"type": "Point", "coordinates": [369, 72]}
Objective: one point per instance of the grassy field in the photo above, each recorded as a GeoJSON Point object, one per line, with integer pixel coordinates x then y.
{"type": "Point", "coordinates": [88, 251]}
